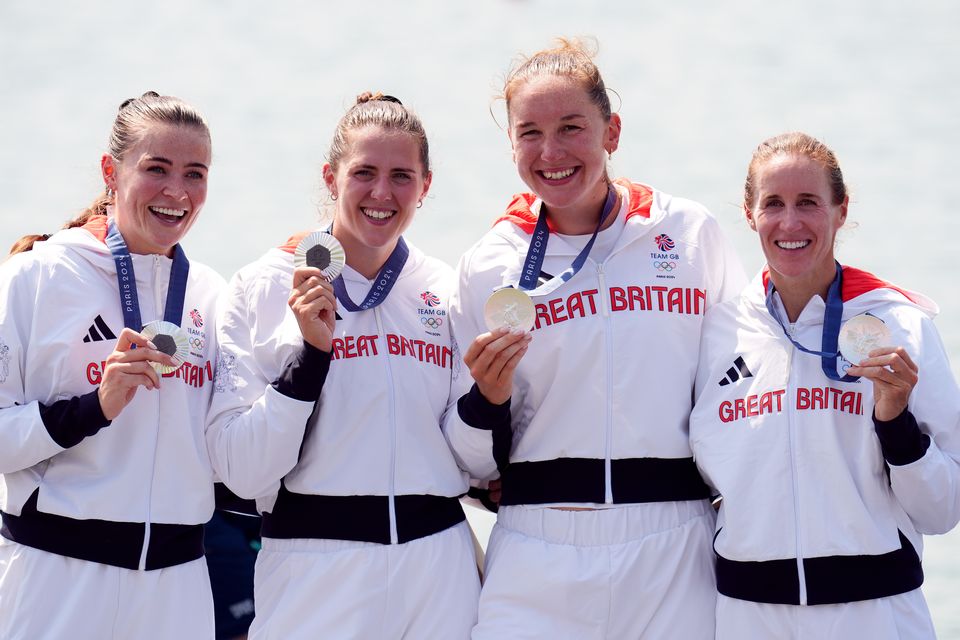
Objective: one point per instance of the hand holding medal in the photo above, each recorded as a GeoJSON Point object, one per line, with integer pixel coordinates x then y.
{"type": "Point", "coordinates": [318, 259]}
{"type": "Point", "coordinates": [891, 369]}
{"type": "Point", "coordinates": [135, 362]}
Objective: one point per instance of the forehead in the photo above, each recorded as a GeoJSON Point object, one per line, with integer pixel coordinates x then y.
{"type": "Point", "coordinates": [177, 143]}
{"type": "Point", "coordinates": [377, 146]}
{"type": "Point", "coordinates": [550, 97]}
{"type": "Point", "coordinates": [792, 173]}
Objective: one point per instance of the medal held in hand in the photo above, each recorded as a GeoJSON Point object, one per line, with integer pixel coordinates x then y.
{"type": "Point", "coordinates": [510, 308]}
{"type": "Point", "coordinates": [322, 251]}
{"type": "Point", "coordinates": [860, 335]}
{"type": "Point", "coordinates": [169, 339]}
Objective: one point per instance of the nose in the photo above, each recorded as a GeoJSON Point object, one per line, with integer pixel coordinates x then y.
{"type": "Point", "coordinates": [552, 150]}
{"type": "Point", "coordinates": [175, 188]}
{"type": "Point", "coordinates": [790, 220]}
{"type": "Point", "coordinates": [380, 190]}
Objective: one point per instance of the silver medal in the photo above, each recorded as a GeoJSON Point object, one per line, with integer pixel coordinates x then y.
{"type": "Point", "coordinates": [323, 251]}
{"type": "Point", "coordinates": [169, 339]}
{"type": "Point", "coordinates": [860, 335]}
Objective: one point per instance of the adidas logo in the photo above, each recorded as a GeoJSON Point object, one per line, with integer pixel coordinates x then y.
{"type": "Point", "coordinates": [99, 331]}
{"type": "Point", "coordinates": [737, 371]}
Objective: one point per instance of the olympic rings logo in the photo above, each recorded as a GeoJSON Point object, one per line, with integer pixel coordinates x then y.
{"type": "Point", "coordinates": [665, 266]}
{"type": "Point", "coordinates": [431, 322]}
{"type": "Point", "coordinates": [197, 343]}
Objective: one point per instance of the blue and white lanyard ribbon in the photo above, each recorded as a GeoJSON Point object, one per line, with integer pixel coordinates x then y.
{"type": "Point", "coordinates": [129, 302]}
{"type": "Point", "coordinates": [538, 250]}
{"type": "Point", "coordinates": [832, 316]}
{"type": "Point", "coordinates": [384, 282]}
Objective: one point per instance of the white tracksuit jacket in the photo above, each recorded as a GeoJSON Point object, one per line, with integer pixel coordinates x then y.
{"type": "Point", "coordinates": [370, 450]}
{"type": "Point", "coordinates": [602, 397]}
{"type": "Point", "coordinates": [91, 489]}
{"type": "Point", "coordinates": [819, 504]}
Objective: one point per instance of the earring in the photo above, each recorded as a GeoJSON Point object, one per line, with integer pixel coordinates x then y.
{"type": "Point", "coordinates": [109, 193]}
{"type": "Point", "coordinates": [419, 203]}
{"type": "Point", "coordinates": [609, 155]}
{"type": "Point", "coordinates": [333, 197]}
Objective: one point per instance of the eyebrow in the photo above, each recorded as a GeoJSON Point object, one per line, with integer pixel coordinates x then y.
{"type": "Point", "coordinates": [374, 167]}
{"type": "Point", "coordinates": [163, 160]}
{"type": "Point", "coordinates": [572, 116]}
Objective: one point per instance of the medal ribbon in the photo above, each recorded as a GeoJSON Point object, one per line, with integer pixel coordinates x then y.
{"type": "Point", "coordinates": [832, 315]}
{"type": "Point", "coordinates": [129, 302]}
{"type": "Point", "coordinates": [538, 249]}
{"type": "Point", "coordinates": [382, 285]}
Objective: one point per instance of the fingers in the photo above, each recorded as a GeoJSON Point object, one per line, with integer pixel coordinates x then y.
{"type": "Point", "coordinates": [894, 375]}
{"type": "Point", "coordinates": [130, 338]}
{"type": "Point", "coordinates": [492, 359]}
{"type": "Point", "coordinates": [890, 365]}
{"type": "Point", "coordinates": [133, 347]}
{"type": "Point", "coordinates": [305, 278]}
{"type": "Point", "coordinates": [136, 374]}
{"type": "Point", "coordinates": [493, 355]}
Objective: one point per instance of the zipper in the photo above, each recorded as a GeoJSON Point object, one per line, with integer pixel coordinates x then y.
{"type": "Point", "coordinates": [608, 427]}
{"type": "Point", "coordinates": [157, 304]}
{"type": "Point", "coordinates": [792, 430]}
{"type": "Point", "coordinates": [392, 412]}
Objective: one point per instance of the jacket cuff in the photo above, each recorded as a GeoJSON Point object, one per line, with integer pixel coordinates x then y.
{"type": "Point", "coordinates": [480, 413]}
{"type": "Point", "coordinates": [70, 421]}
{"type": "Point", "coordinates": [901, 440]}
{"type": "Point", "coordinates": [303, 378]}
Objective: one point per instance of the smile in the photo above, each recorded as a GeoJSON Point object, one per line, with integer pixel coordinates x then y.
{"type": "Point", "coordinates": [558, 175]}
{"type": "Point", "coordinates": [378, 214]}
{"type": "Point", "coordinates": [792, 245]}
{"type": "Point", "coordinates": [166, 211]}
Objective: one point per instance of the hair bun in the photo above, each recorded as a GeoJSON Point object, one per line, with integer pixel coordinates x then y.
{"type": "Point", "coordinates": [368, 96]}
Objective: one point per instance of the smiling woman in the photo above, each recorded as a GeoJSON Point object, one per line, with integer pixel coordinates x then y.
{"type": "Point", "coordinates": [582, 410]}
{"type": "Point", "coordinates": [85, 393]}
{"type": "Point", "coordinates": [332, 418]}
{"type": "Point", "coordinates": [160, 185]}
{"type": "Point", "coordinates": [829, 481]}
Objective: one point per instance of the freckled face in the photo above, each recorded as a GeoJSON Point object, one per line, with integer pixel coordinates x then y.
{"type": "Point", "coordinates": [560, 142]}
{"type": "Point", "coordinates": [160, 185]}
{"type": "Point", "coordinates": [796, 219]}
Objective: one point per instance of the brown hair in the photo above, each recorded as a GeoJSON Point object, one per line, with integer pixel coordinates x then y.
{"type": "Point", "coordinates": [378, 110]}
{"type": "Point", "coordinates": [569, 59]}
{"type": "Point", "coordinates": [133, 116]}
{"type": "Point", "coordinates": [795, 143]}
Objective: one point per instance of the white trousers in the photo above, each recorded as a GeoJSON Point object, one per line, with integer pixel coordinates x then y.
{"type": "Point", "coordinates": [637, 571]}
{"type": "Point", "coordinates": [900, 617]}
{"type": "Point", "coordinates": [422, 589]}
{"type": "Point", "coordinates": [45, 596]}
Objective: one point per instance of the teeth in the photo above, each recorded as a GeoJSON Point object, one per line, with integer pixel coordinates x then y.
{"type": "Point", "coordinates": [557, 175]}
{"type": "Point", "coordinates": [178, 213]}
{"type": "Point", "coordinates": [379, 214]}
{"type": "Point", "coordinates": [796, 244]}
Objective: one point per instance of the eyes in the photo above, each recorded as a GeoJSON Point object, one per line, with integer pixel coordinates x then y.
{"type": "Point", "coordinates": [776, 202]}
{"type": "Point", "coordinates": [530, 133]}
{"type": "Point", "coordinates": [399, 176]}
{"type": "Point", "coordinates": [162, 170]}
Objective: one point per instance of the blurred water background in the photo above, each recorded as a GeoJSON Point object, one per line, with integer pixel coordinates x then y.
{"type": "Point", "coordinates": [699, 85]}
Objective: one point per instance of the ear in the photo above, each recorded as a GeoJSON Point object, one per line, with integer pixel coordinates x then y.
{"type": "Point", "coordinates": [108, 169]}
{"type": "Point", "coordinates": [330, 178]}
{"type": "Point", "coordinates": [749, 215]}
{"type": "Point", "coordinates": [612, 140]}
{"type": "Point", "coordinates": [426, 185]}
{"type": "Point", "coordinates": [843, 210]}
